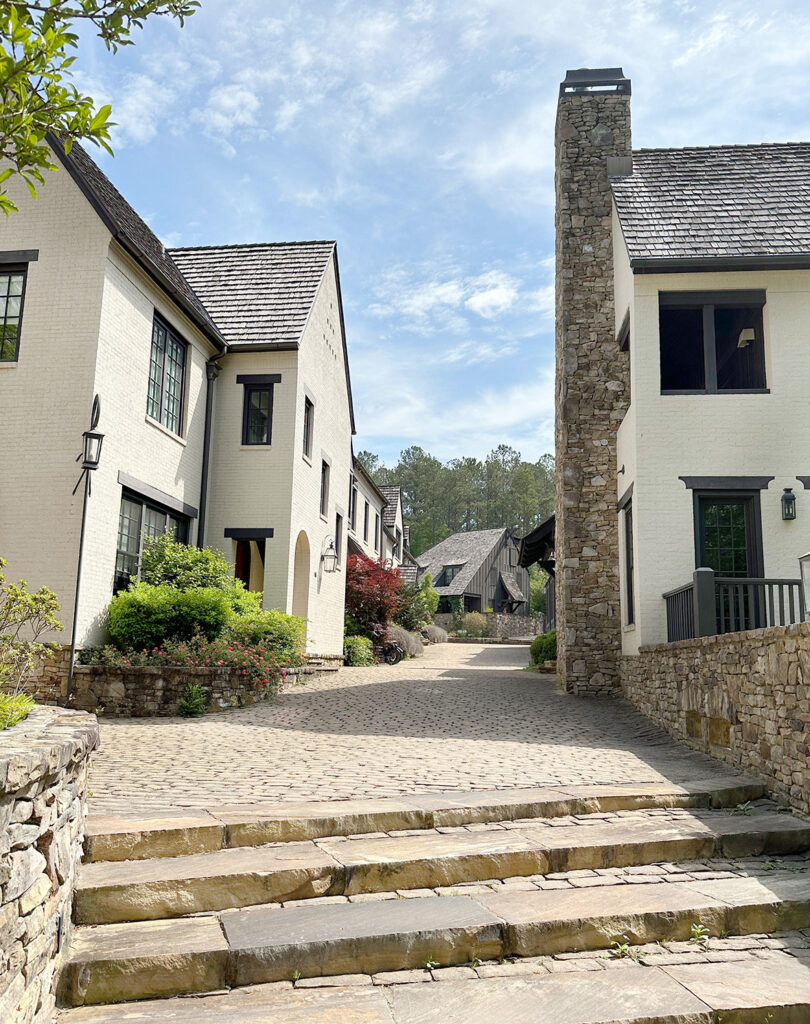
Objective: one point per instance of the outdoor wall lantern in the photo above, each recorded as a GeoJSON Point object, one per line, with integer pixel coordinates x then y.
{"type": "Point", "coordinates": [330, 558]}
{"type": "Point", "coordinates": [804, 566]}
{"type": "Point", "coordinates": [788, 503]}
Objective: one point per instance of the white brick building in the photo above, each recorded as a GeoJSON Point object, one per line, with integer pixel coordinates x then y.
{"type": "Point", "coordinates": [226, 403]}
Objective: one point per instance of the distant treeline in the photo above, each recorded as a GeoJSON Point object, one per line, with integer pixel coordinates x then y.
{"type": "Point", "coordinates": [441, 498]}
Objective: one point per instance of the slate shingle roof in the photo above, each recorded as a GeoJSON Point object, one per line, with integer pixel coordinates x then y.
{"type": "Point", "coordinates": [469, 550]}
{"type": "Point", "coordinates": [257, 294]}
{"type": "Point", "coordinates": [716, 202]}
{"type": "Point", "coordinates": [132, 230]}
{"type": "Point", "coordinates": [392, 495]}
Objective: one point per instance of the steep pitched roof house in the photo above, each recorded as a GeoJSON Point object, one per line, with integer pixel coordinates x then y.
{"type": "Point", "coordinates": [226, 402]}
{"type": "Point", "coordinates": [477, 570]}
{"type": "Point", "coordinates": [683, 280]}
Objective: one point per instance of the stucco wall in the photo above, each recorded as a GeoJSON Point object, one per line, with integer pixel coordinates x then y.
{"type": "Point", "coordinates": [664, 437]}
{"type": "Point", "coordinates": [742, 697]}
{"type": "Point", "coordinates": [43, 793]}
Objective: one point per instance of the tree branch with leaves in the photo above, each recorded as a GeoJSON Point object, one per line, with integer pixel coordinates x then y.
{"type": "Point", "coordinates": [38, 46]}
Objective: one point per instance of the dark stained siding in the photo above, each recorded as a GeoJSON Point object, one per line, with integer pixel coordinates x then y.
{"type": "Point", "coordinates": [485, 581]}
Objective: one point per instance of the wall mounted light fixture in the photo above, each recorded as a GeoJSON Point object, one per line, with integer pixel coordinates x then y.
{"type": "Point", "coordinates": [788, 503]}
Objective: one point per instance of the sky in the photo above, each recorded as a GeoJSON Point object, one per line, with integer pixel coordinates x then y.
{"type": "Point", "coordinates": [419, 135]}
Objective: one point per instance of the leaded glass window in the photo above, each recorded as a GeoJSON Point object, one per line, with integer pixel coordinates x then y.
{"type": "Point", "coordinates": [258, 415]}
{"type": "Point", "coordinates": [139, 520]}
{"type": "Point", "coordinates": [167, 370]}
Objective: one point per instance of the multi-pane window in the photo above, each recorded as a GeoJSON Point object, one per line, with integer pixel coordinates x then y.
{"type": "Point", "coordinates": [339, 535]}
{"type": "Point", "coordinates": [137, 521]}
{"type": "Point", "coordinates": [353, 505]}
{"type": "Point", "coordinates": [365, 523]}
{"type": "Point", "coordinates": [629, 565]}
{"type": "Point", "coordinates": [257, 420]}
{"type": "Point", "coordinates": [398, 544]}
{"type": "Point", "coordinates": [449, 574]}
{"type": "Point", "coordinates": [324, 487]}
{"type": "Point", "coordinates": [167, 371]}
{"type": "Point", "coordinates": [12, 287]}
{"type": "Point", "coordinates": [711, 342]}
{"type": "Point", "coordinates": [376, 531]}
{"type": "Point", "coordinates": [309, 417]}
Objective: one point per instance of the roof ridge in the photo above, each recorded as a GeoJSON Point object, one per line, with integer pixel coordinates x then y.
{"type": "Point", "coordinates": [249, 245]}
{"type": "Point", "coordinates": [721, 147]}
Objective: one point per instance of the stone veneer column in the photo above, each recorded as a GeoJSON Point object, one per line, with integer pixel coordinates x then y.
{"type": "Point", "coordinates": [592, 379]}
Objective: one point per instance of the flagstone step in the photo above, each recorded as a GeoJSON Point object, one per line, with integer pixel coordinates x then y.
{"type": "Point", "coordinates": [109, 892]}
{"type": "Point", "coordinates": [268, 944]}
{"type": "Point", "coordinates": [171, 834]}
{"type": "Point", "coordinates": [712, 993]}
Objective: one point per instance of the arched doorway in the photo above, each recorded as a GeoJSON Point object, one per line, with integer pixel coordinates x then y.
{"type": "Point", "coordinates": [301, 571]}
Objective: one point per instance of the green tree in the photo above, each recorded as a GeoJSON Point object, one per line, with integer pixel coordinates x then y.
{"type": "Point", "coordinates": [24, 617]}
{"type": "Point", "coordinates": [537, 589]}
{"type": "Point", "coordinates": [37, 96]}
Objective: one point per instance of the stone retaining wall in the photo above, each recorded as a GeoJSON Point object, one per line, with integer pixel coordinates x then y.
{"type": "Point", "coordinates": [47, 681]}
{"type": "Point", "coordinates": [500, 625]}
{"type": "Point", "coordinates": [43, 791]}
{"type": "Point", "coordinates": [743, 698]}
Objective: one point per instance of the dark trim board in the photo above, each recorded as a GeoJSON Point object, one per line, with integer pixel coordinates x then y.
{"type": "Point", "coordinates": [717, 264]}
{"type": "Point", "coordinates": [258, 378]}
{"type": "Point", "coordinates": [19, 256]}
{"type": "Point", "coordinates": [155, 494]}
{"type": "Point", "coordinates": [754, 297]}
{"type": "Point", "coordinates": [249, 532]}
{"type": "Point", "coordinates": [726, 483]}
{"type": "Point", "coordinates": [804, 481]}
{"type": "Point", "coordinates": [624, 501]}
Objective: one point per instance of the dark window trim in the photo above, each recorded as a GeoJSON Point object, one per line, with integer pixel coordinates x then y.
{"type": "Point", "coordinates": [629, 564]}
{"type": "Point", "coordinates": [365, 523]}
{"type": "Point", "coordinates": [726, 483]}
{"type": "Point", "coordinates": [19, 256]}
{"type": "Point", "coordinates": [732, 297]}
{"type": "Point", "coordinates": [257, 387]}
{"type": "Point", "coordinates": [717, 264]}
{"type": "Point", "coordinates": [17, 267]}
{"type": "Point", "coordinates": [339, 520]}
{"type": "Point", "coordinates": [623, 337]}
{"type": "Point", "coordinates": [715, 394]}
{"type": "Point", "coordinates": [625, 498]}
{"type": "Point", "coordinates": [148, 501]}
{"type": "Point", "coordinates": [151, 493]}
{"type": "Point", "coordinates": [804, 481]}
{"type": "Point", "coordinates": [248, 532]}
{"type": "Point", "coordinates": [326, 483]}
{"type": "Point", "coordinates": [180, 432]}
{"type": "Point", "coordinates": [309, 406]}
{"type": "Point", "coordinates": [258, 378]}
{"type": "Point", "coordinates": [755, 534]}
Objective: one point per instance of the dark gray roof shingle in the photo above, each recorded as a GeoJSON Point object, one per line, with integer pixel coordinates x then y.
{"type": "Point", "coordinates": [257, 294]}
{"type": "Point", "coordinates": [511, 586]}
{"type": "Point", "coordinates": [718, 201]}
{"type": "Point", "coordinates": [124, 222]}
{"type": "Point", "coordinates": [393, 495]}
{"type": "Point", "coordinates": [469, 550]}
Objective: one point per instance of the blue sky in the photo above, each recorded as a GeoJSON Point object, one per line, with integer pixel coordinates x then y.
{"type": "Point", "coordinates": [420, 135]}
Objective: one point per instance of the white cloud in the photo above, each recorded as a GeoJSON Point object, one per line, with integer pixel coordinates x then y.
{"type": "Point", "coordinates": [494, 293]}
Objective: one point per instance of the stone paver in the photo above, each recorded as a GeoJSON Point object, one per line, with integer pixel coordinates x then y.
{"type": "Point", "coordinates": [463, 717]}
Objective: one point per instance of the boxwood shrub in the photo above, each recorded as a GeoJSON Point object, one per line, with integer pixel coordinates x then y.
{"type": "Point", "coordinates": [544, 648]}
{"type": "Point", "coordinates": [144, 616]}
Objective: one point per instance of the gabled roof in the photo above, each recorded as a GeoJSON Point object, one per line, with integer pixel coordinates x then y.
{"type": "Point", "coordinates": [716, 206]}
{"type": "Point", "coordinates": [361, 471]}
{"type": "Point", "coordinates": [538, 546]}
{"type": "Point", "coordinates": [134, 234]}
{"type": "Point", "coordinates": [469, 550]}
{"type": "Point", "coordinates": [511, 586]}
{"type": "Point", "coordinates": [258, 295]}
{"type": "Point", "coordinates": [393, 497]}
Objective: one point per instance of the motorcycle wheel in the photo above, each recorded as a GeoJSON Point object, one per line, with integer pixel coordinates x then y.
{"type": "Point", "coordinates": [392, 656]}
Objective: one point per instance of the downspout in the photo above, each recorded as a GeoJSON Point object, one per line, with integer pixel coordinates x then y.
{"type": "Point", "coordinates": [211, 372]}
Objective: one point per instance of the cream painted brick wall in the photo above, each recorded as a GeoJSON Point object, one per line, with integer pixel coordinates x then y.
{"type": "Point", "coordinates": [664, 437]}
{"type": "Point", "coordinates": [46, 397]}
{"type": "Point", "coordinates": [365, 494]}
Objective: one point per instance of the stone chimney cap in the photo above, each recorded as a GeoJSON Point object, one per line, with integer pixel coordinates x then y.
{"type": "Point", "coordinates": [595, 80]}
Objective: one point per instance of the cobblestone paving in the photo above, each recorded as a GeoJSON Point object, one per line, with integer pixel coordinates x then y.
{"type": "Point", "coordinates": [462, 717]}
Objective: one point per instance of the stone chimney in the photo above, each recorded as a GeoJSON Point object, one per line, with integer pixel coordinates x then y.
{"type": "Point", "coordinates": [592, 378]}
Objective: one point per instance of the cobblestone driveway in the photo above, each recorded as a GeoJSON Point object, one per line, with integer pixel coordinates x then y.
{"type": "Point", "coordinates": [462, 717]}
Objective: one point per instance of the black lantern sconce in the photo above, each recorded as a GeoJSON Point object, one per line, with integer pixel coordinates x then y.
{"type": "Point", "coordinates": [330, 558]}
{"type": "Point", "coordinates": [788, 503]}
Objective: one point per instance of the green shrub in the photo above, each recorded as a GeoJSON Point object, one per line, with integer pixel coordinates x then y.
{"type": "Point", "coordinates": [14, 707]}
{"type": "Point", "coordinates": [193, 701]}
{"type": "Point", "coordinates": [25, 616]}
{"type": "Point", "coordinates": [145, 615]}
{"type": "Point", "coordinates": [285, 634]}
{"type": "Point", "coordinates": [416, 604]}
{"type": "Point", "coordinates": [166, 560]}
{"type": "Point", "coordinates": [544, 648]}
{"type": "Point", "coordinates": [474, 624]}
{"type": "Point", "coordinates": [358, 650]}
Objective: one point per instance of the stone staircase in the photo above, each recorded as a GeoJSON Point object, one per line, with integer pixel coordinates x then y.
{"type": "Point", "coordinates": [522, 902]}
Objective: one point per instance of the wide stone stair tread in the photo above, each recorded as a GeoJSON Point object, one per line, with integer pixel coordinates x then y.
{"type": "Point", "coordinates": [170, 834]}
{"type": "Point", "coordinates": [141, 890]}
{"type": "Point", "coordinates": [265, 944]}
{"type": "Point", "coordinates": [731, 993]}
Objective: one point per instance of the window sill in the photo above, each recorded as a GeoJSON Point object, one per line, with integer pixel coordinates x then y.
{"type": "Point", "coordinates": [165, 430]}
{"type": "Point", "coordinates": [9, 365]}
{"type": "Point", "coordinates": [255, 447]}
{"type": "Point", "coordinates": [323, 518]}
{"type": "Point", "coordinates": [307, 459]}
{"type": "Point", "coordinates": [630, 627]}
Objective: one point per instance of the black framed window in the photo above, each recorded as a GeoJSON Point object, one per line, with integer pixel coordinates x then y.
{"type": "Point", "coordinates": [629, 565]}
{"type": "Point", "coordinates": [449, 573]}
{"type": "Point", "coordinates": [309, 422]}
{"type": "Point", "coordinates": [12, 293]}
{"type": "Point", "coordinates": [353, 505]}
{"type": "Point", "coordinates": [257, 415]}
{"type": "Point", "coordinates": [728, 532]}
{"type": "Point", "coordinates": [365, 523]}
{"type": "Point", "coordinates": [712, 342]}
{"type": "Point", "coordinates": [339, 535]}
{"type": "Point", "coordinates": [324, 487]}
{"type": "Point", "coordinates": [398, 544]}
{"type": "Point", "coordinates": [167, 375]}
{"type": "Point", "coordinates": [138, 520]}
{"type": "Point", "coordinates": [376, 531]}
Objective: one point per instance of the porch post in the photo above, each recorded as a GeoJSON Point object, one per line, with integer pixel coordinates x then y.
{"type": "Point", "coordinates": [704, 602]}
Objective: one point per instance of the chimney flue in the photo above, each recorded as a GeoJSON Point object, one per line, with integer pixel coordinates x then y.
{"type": "Point", "coordinates": [595, 80]}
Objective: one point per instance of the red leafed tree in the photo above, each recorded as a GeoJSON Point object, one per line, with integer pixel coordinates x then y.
{"type": "Point", "coordinates": [372, 596]}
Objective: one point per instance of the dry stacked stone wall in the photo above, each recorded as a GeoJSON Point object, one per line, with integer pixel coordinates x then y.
{"type": "Point", "coordinates": [743, 698]}
{"type": "Point", "coordinates": [592, 391]}
{"type": "Point", "coordinates": [47, 681]}
{"type": "Point", "coordinates": [499, 625]}
{"type": "Point", "coordinates": [43, 791]}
